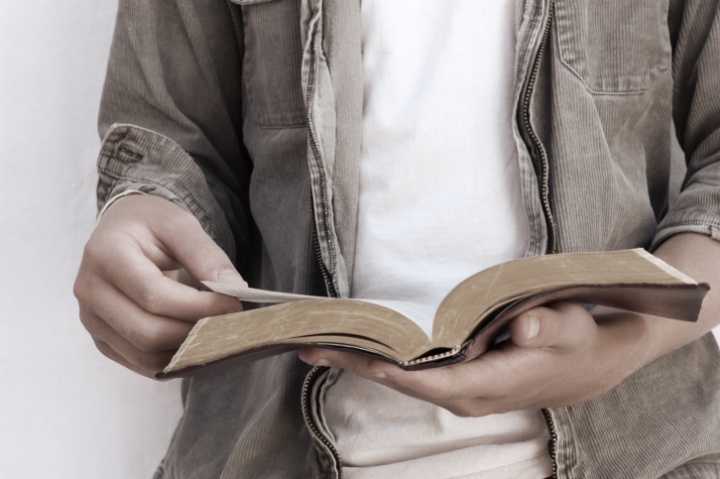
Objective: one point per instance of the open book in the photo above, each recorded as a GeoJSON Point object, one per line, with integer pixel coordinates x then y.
{"type": "Point", "coordinates": [465, 324]}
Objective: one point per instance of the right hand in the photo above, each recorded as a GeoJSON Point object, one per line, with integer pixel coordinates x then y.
{"type": "Point", "coordinates": [136, 315]}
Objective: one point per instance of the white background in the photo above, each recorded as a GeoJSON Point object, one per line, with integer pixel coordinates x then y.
{"type": "Point", "coordinates": [65, 411]}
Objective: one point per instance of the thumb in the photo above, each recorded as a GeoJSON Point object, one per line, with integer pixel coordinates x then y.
{"type": "Point", "coordinates": [229, 277]}
{"type": "Point", "coordinates": [560, 326]}
{"type": "Point", "coordinates": [187, 242]}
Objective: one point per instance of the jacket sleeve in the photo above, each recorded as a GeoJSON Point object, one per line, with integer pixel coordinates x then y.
{"type": "Point", "coordinates": [695, 31]}
{"type": "Point", "coordinates": [171, 112]}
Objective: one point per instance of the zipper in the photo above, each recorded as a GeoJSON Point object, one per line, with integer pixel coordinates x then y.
{"type": "Point", "coordinates": [541, 154]}
{"type": "Point", "coordinates": [310, 381]}
{"type": "Point", "coordinates": [538, 148]}
{"type": "Point", "coordinates": [552, 444]}
{"type": "Point", "coordinates": [317, 156]}
{"type": "Point", "coordinates": [315, 373]}
{"type": "Point", "coordinates": [329, 284]}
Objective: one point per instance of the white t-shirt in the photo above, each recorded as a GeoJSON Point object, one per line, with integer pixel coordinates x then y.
{"type": "Point", "coordinates": [439, 200]}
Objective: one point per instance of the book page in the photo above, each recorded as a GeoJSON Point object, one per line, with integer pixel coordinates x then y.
{"type": "Point", "coordinates": [604, 276]}
{"type": "Point", "coordinates": [421, 314]}
{"type": "Point", "coordinates": [364, 325]}
{"type": "Point", "coordinates": [253, 295]}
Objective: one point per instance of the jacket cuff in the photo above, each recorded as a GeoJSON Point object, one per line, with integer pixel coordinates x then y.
{"type": "Point", "coordinates": [666, 232]}
{"type": "Point", "coordinates": [135, 159]}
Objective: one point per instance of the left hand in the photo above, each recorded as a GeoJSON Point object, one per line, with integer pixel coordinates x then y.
{"type": "Point", "coordinates": [558, 355]}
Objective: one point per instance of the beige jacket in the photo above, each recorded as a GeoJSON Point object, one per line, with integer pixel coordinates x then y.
{"type": "Point", "coordinates": [248, 113]}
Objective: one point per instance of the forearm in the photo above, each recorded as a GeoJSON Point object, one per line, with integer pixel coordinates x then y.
{"type": "Point", "coordinates": [698, 256]}
{"type": "Point", "coordinates": [650, 337]}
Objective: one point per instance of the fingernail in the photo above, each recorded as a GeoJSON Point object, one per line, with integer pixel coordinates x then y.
{"type": "Point", "coordinates": [230, 276]}
{"type": "Point", "coordinates": [322, 362]}
{"type": "Point", "coordinates": [380, 375]}
{"type": "Point", "coordinates": [533, 327]}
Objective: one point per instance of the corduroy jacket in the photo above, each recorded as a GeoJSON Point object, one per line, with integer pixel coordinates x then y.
{"type": "Point", "coordinates": [248, 114]}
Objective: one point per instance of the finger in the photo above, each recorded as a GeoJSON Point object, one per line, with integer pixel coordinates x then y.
{"type": "Point", "coordinates": [433, 385]}
{"type": "Point", "coordinates": [476, 407]}
{"type": "Point", "coordinates": [355, 363]}
{"type": "Point", "coordinates": [560, 326]}
{"type": "Point", "coordinates": [110, 353]}
{"type": "Point", "coordinates": [130, 262]}
{"type": "Point", "coordinates": [148, 371]}
{"type": "Point", "coordinates": [147, 332]}
{"type": "Point", "coordinates": [142, 235]}
{"type": "Point", "coordinates": [470, 389]}
{"type": "Point", "coordinates": [149, 288]}
{"type": "Point", "coordinates": [120, 350]}
{"type": "Point", "coordinates": [494, 383]}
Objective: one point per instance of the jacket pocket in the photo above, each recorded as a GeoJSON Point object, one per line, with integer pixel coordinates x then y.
{"type": "Point", "coordinates": [614, 46]}
{"type": "Point", "coordinates": [273, 62]}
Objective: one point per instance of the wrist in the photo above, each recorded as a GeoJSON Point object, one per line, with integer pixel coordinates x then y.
{"type": "Point", "coordinates": [627, 340]}
{"type": "Point", "coordinates": [113, 200]}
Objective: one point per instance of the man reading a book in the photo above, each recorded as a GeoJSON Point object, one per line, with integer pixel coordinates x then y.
{"type": "Point", "coordinates": [388, 150]}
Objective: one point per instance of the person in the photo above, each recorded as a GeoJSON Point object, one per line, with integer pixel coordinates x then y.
{"type": "Point", "coordinates": [386, 148]}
